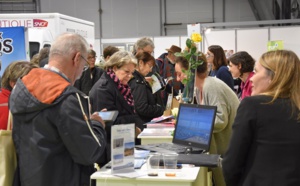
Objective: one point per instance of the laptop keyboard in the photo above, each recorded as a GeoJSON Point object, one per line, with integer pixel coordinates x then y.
{"type": "Point", "coordinates": [172, 147]}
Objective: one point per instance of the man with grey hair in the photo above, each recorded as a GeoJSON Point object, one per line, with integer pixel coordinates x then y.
{"type": "Point", "coordinates": [144, 44]}
{"type": "Point", "coordinates": [57, 140]}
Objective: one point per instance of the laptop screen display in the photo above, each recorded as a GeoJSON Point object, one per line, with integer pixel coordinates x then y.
{"type": "Point", "coordinates": [194, 125]}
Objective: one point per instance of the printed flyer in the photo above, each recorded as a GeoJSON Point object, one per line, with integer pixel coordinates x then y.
{"type": "Point", "coordinates": [122, 148]}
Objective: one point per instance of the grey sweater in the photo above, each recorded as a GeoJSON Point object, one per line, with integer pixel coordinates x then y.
{"type": "Point", "coordinates": [216, 93]}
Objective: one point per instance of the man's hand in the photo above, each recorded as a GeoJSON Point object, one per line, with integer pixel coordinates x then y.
{"type": "Point", "coordinates": [95, 116]}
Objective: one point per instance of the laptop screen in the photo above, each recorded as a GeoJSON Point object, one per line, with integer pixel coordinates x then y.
{"type": "Point", "coordinates": [194, 125]}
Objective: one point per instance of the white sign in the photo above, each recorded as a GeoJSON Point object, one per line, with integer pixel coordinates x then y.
{"type": "Point", "coordinates": [191, 28]}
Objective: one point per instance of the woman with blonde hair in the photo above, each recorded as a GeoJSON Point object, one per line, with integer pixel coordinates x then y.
{"type": "Point", "coordinates": [112, 92]}
{"type": "Point", "coordinates": [264, 147]}
{"type": "Point", "coordinates": [13, 71]}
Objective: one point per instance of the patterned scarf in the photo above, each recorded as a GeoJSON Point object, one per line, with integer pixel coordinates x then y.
{"type": "Point", "coordinates": [124, 89]}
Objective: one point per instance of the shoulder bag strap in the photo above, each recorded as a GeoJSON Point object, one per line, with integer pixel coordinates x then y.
{"type": "Point", "coordinates": [9, 121]}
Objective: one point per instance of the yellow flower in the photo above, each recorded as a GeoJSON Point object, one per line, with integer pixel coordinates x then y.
{"type": "Point", "coordinates": [196, 37]}
{"type": "Point", "coordinates": [193, 57]}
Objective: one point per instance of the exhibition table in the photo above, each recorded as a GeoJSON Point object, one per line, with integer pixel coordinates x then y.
{"type": "Point", "coordinates": [187, 176]}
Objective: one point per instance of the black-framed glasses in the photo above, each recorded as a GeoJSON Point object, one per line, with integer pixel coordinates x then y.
{"type": "Point", "coordinates": [86, 66]}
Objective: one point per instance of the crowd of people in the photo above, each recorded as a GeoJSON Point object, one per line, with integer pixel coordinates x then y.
{"type": "Point", "coordinates": [59, 135]}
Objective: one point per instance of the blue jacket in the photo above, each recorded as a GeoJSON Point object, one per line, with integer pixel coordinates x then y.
{"type": "Point", "coordinates": [223, 74]}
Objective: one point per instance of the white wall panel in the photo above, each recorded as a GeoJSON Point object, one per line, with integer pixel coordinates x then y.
{"type": "Point", "coordinates": [290, 37]}
{"type": "Point", "coordinates": [253, 41]}
{"type": "Point", "coordinates": [224, 38]}
{"type": "Point", "coordinates": [162, 43]}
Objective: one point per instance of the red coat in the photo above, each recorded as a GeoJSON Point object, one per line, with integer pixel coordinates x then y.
{"type": "Point", "coordinates": [4, 95]}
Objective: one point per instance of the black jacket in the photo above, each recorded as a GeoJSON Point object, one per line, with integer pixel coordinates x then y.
{"type": "Point", "coordinates": [146, 104]}
{"type": "Point", "coordinates": [54, 144]}
{"type": "Point", "coordinates": [105, 94]}
{"type": "Point", "coordinates": [264, 147]}
{"type": "Point", "coordinates": [86, 81]}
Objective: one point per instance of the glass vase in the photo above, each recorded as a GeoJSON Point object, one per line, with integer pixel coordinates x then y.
{"type": "Point", "coordinates": [188, 91]}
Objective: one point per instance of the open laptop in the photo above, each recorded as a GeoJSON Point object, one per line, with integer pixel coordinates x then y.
{"type": "Point", "coordinates": [193, 131]}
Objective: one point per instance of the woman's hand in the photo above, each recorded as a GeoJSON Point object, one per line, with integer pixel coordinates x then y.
{"type": "Point", "coordinates": [149, 80]}
{"type": "Point", "coordinates": [137, 131]}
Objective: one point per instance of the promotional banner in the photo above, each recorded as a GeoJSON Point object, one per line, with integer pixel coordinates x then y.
{"type": "Point", "coordinates": [12, 46]}
{"type": "Point", "coordinates": [275, 45]}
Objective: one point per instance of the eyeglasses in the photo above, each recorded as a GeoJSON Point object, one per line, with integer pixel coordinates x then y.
{"type": "Point", "coordinates": [86, 66]}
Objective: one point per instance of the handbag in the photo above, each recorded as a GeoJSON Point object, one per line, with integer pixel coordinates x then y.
{"type": "Point", "coordinates": [8, 160]}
